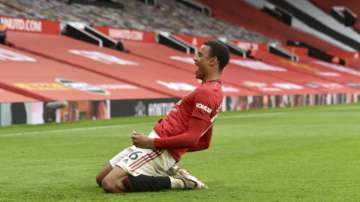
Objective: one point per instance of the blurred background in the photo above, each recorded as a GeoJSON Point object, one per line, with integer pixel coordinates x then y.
{"type": "Point", "coordinates": [68, 60]}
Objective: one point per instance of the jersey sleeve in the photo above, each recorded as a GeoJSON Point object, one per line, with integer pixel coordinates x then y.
{"type": "Point", "coordinates": [204, 141]}
{"type": "Point", "coordinates": [190, 138]}
{"type": "Point", "coordinates": [204, 105]}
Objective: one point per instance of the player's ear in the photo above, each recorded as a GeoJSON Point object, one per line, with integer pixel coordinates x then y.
{"type": "Point", "coordinates": [214, 61]}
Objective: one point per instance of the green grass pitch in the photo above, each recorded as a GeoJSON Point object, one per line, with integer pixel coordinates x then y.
{"type": "Point", "coordinates": [301, 154]}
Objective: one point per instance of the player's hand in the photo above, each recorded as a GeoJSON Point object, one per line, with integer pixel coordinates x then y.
{"type": "Point", "coordinates": [142, 141]}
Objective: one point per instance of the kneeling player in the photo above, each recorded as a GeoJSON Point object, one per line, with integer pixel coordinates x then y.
{"type": "Point", "coordinates": [150, 164]}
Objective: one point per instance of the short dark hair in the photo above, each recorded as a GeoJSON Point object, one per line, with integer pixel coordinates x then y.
{"type": "Point", "coordinates": [220, 51]}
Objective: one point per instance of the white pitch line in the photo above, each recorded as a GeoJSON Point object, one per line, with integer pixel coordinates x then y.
{"type": "Point", "coordinates": [67, 130]}
{"type": "Point", "coordinates": [124, 125]}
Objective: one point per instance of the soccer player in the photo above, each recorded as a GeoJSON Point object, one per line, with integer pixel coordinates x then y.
{"type": "Point", "coordinates": [150, 164]}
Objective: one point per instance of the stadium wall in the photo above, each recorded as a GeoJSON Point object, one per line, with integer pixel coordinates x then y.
{"type": "Point", "coordinates": [30, 25]}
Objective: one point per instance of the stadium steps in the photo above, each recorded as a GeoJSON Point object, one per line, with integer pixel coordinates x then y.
{"type": "Point", "coordinates": [20, 95]}
{"type": "Point", "coordinates": [8, 96]}
{"type": "Point", "coordinates": [318, 20]}
{"type": "Point", "coordinates": [93, 71]}
{"type": "Point", "coordinates": [147, 74]}
{"type": "Point", "coordinates": [163, 54]}
{"type": "Point", "coordinates": [327, 5]}
{"type": "Point", "coordinates": [243, 14]}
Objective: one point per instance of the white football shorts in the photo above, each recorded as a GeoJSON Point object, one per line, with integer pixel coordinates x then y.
{"type": "Point", "coordinates": [136, 161]}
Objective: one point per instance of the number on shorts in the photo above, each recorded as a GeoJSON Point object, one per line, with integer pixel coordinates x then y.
{"type": "Point", "coordinates": [134, 155]}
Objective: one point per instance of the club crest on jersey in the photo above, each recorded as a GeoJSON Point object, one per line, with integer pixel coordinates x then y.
{"type": "Point", "coordinates": [204, 107]}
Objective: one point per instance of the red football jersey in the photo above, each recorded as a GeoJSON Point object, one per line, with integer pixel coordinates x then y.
{"type": "Point", "coordinates": [203, 103]}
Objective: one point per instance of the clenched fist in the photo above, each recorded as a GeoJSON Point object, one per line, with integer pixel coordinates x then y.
{"type": "Point", "coordinates": [142, 141]}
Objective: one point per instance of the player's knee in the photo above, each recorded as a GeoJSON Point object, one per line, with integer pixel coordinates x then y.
{"type": "Point", "coordinates": [110, 186]}
{"type": "Point", "coordinates": [99, 179]}
{"type": "Point", "coordinates": [107, 185]}
{"type": "Point", "coordinates": [102, 174]}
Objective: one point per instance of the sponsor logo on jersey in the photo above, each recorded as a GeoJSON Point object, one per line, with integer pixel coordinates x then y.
{"type": "Point", "coordinates": [203, 107]}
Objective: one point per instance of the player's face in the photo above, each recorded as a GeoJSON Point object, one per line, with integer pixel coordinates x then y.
{"type": "Point", "coordinates": [203, 61]}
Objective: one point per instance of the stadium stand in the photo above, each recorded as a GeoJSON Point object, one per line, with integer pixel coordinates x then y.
{"type": "Point", "coordinates": [3, 31]}
{"type": "Point", "coordinates": [353, 6]}
{"type": "Point", "coordinates": [8, 96]}
{"type": "Point", "coordinates": [243, 14]}
{"type": "Point", "coordinates": [338, 73]}
{"type": "Point", "coordinates": [288, 72]}
{"type": "Point", "coordinates": [167, 15]}
{"type": "Point", "coordinates": [341, 74]}
{"type": "Point", "coordinates": [233, 74]}
{"type": "Point", "coordinates": [52, 80]}
{"type": "Point", "coordinates": [328, 5]}
{"type": "Point", "coordinates": [256, 75]}
{"type": "Point", "coordinates": [307, 78]}
{"type": "Point", "coordinates": [314, 18]}
{"type": "Point", "coordinates": [113, 64]}
{"type": "Point", "coordinates": [48, 65]}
